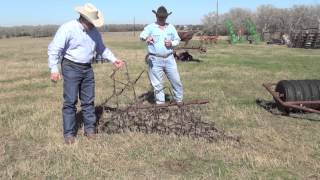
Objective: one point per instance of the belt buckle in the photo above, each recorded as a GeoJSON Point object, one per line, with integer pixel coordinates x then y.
{"type": "Point", "coordinates": [161, 56]}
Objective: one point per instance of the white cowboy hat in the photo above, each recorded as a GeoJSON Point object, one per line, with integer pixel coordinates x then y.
{"type": "Point", "coordinates": [91, 13]}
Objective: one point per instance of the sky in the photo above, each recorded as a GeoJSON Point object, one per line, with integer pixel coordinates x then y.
{"type": "Point", "coordinates": [44, 12]}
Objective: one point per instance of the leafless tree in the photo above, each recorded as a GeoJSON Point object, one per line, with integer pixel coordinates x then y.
{"type": "Point", "coordinates": [269, 19]}
{"type": "Point", "coordinates": [236, 15]}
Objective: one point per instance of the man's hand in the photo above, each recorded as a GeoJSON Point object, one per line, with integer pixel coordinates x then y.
{"type": "Point", "coordinates": [150, 40]}
{"type": "Point", "coordinates": [168, 43]}
{"type": "Point", "coordinates": [55, 77]}
{"type": "Point", "coordinates": [119, 64]}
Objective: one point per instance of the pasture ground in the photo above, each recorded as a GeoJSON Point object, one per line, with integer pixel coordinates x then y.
{"type": "Point", "coordinates": [231, 77]}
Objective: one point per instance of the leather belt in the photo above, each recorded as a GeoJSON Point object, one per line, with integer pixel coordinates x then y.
{"type": "Point", "coordinates": [162, 56]}
{"type": "Point", "coordinates": [77, 63]}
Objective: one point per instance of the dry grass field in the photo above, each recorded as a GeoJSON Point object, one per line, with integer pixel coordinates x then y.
{"type": "Point", "coordinates": [231, 77]}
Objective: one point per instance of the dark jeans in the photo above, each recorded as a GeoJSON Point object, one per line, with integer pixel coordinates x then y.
{"type": "Point", "coordinates": [78, 82]}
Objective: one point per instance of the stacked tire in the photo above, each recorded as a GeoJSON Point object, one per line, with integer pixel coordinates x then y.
{"type": "Point", "coordinates": [298, 90]}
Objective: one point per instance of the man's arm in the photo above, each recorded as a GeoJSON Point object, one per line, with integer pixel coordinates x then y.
{"type": "Point", "coordinates": [145, 35]}
{"type": "Point", "coordinates": [55, 49]}
{"type": "Point", "coordinates": [176, 39]}
{"type": "Point", "coordinates": [106, 53]}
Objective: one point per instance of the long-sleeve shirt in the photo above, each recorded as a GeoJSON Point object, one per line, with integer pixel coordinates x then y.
{"type": "Point", "coordinates": [160, 35]}
{"type": "Point", "coordinates": [72, 42]}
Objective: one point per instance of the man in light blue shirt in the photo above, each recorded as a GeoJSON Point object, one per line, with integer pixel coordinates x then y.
{"type": "Point", "coordinates": [76, 43]}
{"type": "Point", "coordinates": [161, 37]}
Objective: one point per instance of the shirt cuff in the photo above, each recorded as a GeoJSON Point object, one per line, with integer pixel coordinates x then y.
{"type": "Point", "coordinates": [112, 59]}
{"type": "Point", "coordinates": [107, 54]}
{"type": "Point", "coordinates": [175, 43]}
{"type": "Point", "coordinates": [143, 38]}
{"type": "Point", "coordinates": [55, 69]}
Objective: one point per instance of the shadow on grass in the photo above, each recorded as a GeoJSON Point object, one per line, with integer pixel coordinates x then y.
{"type": "Point", "coordinates": [191, 60]}
{"type": "Point", "coordinates": [149, 97]}
{"type": "Point", "coordinates": [273, 108]}
{"type": "Point", "coordinates": [177, 119]}
{"type": "Point", "coordinates": [79, 117]}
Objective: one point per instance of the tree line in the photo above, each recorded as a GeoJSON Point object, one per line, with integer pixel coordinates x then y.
{"type": "Point", "coordinates": [267, 18]}
{"type": "Point", "coordinates": [33, 31]}
{"type": "Point", "coordinates": [50, 30]}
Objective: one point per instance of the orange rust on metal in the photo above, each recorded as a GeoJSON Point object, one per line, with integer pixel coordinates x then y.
{"type": "Point", "coordinates": [159, 106]}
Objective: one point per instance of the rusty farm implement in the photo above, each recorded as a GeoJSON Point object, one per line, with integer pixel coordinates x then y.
{"type": "Point", "coordinates": [138, 115]}
{"type": "Point", "coordinates": [296, 95]}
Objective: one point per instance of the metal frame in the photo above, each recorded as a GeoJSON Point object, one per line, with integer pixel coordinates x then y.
{"type": "Point", "coordinates": [137, 104]}
{"type": "Point", "coordinates": [166, 105]}
{"type": "Point", "coordinates": [298, 105]}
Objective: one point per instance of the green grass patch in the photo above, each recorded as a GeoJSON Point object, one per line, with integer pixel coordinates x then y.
{"type": "Point", "coordinates": [229, 76]}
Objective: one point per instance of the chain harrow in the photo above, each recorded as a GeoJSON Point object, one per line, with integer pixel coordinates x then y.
{"type": "Point", "coordinates": [184, 119]}
{"type": "Point", "coordinates": [179, 121]}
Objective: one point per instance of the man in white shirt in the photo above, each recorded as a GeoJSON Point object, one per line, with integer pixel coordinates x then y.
{"type": "Point", "coordinates": [76, 43]}
{"type": "Point", "coordinates": [161, 37]}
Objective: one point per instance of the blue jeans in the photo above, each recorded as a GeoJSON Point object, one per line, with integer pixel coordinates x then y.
{"type": "Point", "coordinates": [78, 82]}
{"type": "Point", "coordinates": [158, 67]}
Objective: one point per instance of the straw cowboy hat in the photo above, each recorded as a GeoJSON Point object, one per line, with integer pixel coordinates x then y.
{"type": "Point", "coordinates": [161, 12]}
{"type": "Point", "coordinates": [91, 13]}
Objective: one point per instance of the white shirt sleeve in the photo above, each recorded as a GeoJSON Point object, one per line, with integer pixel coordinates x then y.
{"type": "Point", "coordinates": [176, 39]}
{"type": "Point", "coordinates": [145, 33]}
{"type": "Point", "coordinates": [105, 52]}
{"type": "Point", "coordinates": [56, 47]}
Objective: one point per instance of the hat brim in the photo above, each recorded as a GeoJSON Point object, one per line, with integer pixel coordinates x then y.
{"type": "Point", "coordinates": [99, 22]}
{"type": "Point", "coordinates": [161, 15]}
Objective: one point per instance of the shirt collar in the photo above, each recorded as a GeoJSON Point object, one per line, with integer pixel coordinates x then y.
{"type": "Point", "coordinates": [83, 29]}
{"type": "Point", "coordinates": [158, 26]}
{"type": "Point", "coordinates": [80, 25]}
